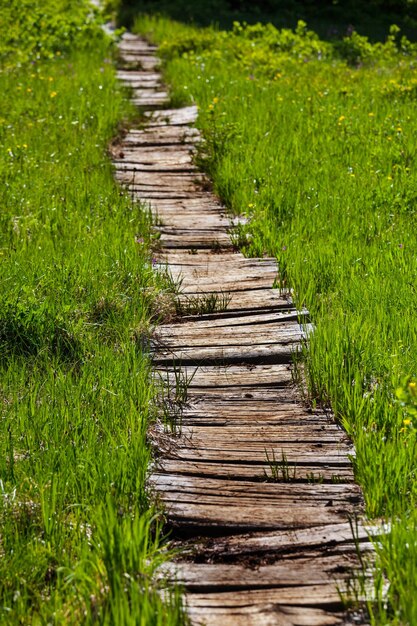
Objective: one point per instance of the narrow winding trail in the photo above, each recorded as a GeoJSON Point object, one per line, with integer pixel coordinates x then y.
{"type": "Point", "coordinates": [258, 489]}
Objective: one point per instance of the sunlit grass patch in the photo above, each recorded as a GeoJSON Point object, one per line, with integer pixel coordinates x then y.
{"type": "Point", "coordinates": [80, 541]}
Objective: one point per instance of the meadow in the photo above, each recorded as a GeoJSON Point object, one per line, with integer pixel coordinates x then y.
{"type": "Point", "coordinates": [81, 541]}
{"type": "Point", "coordinates": [315, 141]}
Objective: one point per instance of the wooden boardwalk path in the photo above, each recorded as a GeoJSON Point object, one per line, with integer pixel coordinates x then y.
{"type": "Point", "coordinates": [258, 489]}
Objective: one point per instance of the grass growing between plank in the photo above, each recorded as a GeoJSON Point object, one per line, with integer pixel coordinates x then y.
{"type": "Point", "coordinates": [79, 543]}
{"type": "Point", "coordinates": [316, 142]}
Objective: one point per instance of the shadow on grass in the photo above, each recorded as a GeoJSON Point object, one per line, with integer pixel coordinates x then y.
{"type": "Point", "coordinates": [331, 19]}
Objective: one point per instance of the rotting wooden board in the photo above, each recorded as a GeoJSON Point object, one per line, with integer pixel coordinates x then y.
{"type": "Point", "coordinates": [145, 62]}
{"type": "Point", "coordinates": [231, 281]}
{"type": "Point", "coordinates": [206, 321]}
{"type": "Point", "coordinates": [144, 194]}
{"type": "Point", "coordinates": [278, 420]}
{"type": "Point", "coordinates": [181, 221]}
{"type": "Point", "coordinates": [138, 77]}
{"type": "Point", "coordinates": [264, 614]}
{"type": "Point", "coordinates": [174, 117]}
{"type": "Point", "coordinates": [280, 352]}
{"type": "Point", "coordinates": [251, 299]}
{"type": "Point", "coordinates": [265, 394]}
{"type": "Point", "coordinates": [270, 435]}
{"type": "Point", "coordinates": [254, 471]}
{"type": "Point", "coordinates": [208, 491]}
{"type": "Point", "coordinates": [155, 99]}
{"type": "Point", "coordinates": [162, 136]}
{"type": "Point", "coordinates": [244, 375]}
{"type": "Point", "coordinates": [306, 454]}
{"type": "Point", "coordinates": [133, 43]}
{"type": "Point", "coordinates": [144, 86]}
{"type": "Point", "coordinates": [193, 205]}
{"type": "Point", "coordinates": [187, 337]}
{"type": "Point", "coordinates": [305, 595]}
{"type": "Point", "coordinates": [153, 183]}
{"type": "Point", "coordinates": [163, 164]}
{"type": "Point", "coordinates": [172, 152]}
{"type": "Point", "coordinates": [257, 513]}
{"type": "Point", "coordinates": [200, 577]}
{"type": "Point", "coordinates": [263, 322]}
{"type": "Point", "coordinates": [287, 543]}
{"type": "Point", "coordinates": [197, 240]}
{"type": "Point", "coordinates": [226, 261]}
{"type": "Point", "coordinates": [230, 288]}
{"type": "Point", "coordinates": [221, 417]}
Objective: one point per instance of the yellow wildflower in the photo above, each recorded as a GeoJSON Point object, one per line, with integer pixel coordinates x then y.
{"type": "Point", "coordinates": [407, 422]}
{"type": "Point", "coordinates": [53, 94]}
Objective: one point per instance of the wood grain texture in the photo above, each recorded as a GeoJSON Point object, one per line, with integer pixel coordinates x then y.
{"type": "Point", "coordinates": [257, 486]}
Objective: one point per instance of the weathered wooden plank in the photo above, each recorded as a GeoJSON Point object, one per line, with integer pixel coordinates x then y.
{"type": "Point", "coordinates": [153, 182]}
{"type": "Point", "coordinates": [182, 221]}
{"type": "Point", "coordinates": [221, 341]}
{"type": "Point", "coordinates": [230, 261]}
{"type": "Point", "coordinates": [256, 513]}
{"type": "Point", "coordinates": [289, 543]}
{"type": "Point", "coordinates": [175, 117]}
{"type": "Point", "coordinates": [244, 375]}
{"type": "Point", "coordinates": [270, 331]}
{"type": "Point", "coordinates": [129, 41]}
{"type": "Point", "coordinates": [142, 61]}
{"type": "Point", "coordinates": [264, 614]}
{"type": "Point", "coordinates": [255, 471]}
{"type": "Point", "coordinates": [316, 570]}
{"type": "Point", "coordinates": [143, 85]}
{"type": "Point", "coordinates": [138, 77]}
{"type": "Point", "coordinates": [231, 283]}
{"type": "Point", "coordinates": [280, 352]}
{"type": "Point", "coordinates": [173, 152]}
{"type": "Point", "coordinates": [303, 595]}
{"type": "Point", "coordinates": [294, 455]}
{"type": "Point", "coordinates": [150, 100]}
{"type": "Point", "coordinates": [168, 163]}
{"type": "Point", "coordinates": [197, 203]}
{"type": "Point", "coordinates": [137, 47]}
{"type": "Point", "coordinates": [197, 240]}
{"type": "Point", "coordinates": [267, 434]}
{"type": "Point", "coordinates": [146, 195]}
{"type": "Point", "coordinates": [203, 322]}
{"type": "Point", "coordinates": [250, 299]}
{"type": "Point", "coordinates": [215, 491]}
{"type": "Point", "coordinates": [162, 136]}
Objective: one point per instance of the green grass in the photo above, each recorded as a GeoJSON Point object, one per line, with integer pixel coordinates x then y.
{"type": "Point", "coordinates": [80, 540]}
{"type": "Point", "coordinates": [316, 142]}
